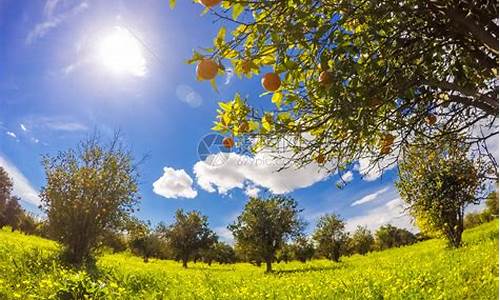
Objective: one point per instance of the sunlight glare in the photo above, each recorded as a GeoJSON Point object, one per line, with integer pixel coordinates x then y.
{"type": "Point", "coordinates": [121, 53]}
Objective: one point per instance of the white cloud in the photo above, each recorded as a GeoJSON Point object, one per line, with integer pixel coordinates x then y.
{"type": "Point", "coordinates": [57, 123]}
{"type": "Point", "coordinates": [23, 127]}
{"type": "Point", "coordinates": [52, 20]}
{"type": "Point", "coordinates": [224, 234]}
{"type": "Point", "coordinates": [391, 212]}
{"type": "Point", "coordinates": [21, 186]}
{"type": "Point", "coordinates": [346, 178]}
{"type": "Point", "coordinates": [174, 184]}
{"type": "Point", "coordinates": [370, 197]}
{"type": "Point", "coordinates": [252, 191]}
{"type": "Point", "coordinates": [371, 171]}
{"type": "Point", "coordinates": [187, 94]}
{"type": "Point", "coordinates": [11, 134]}
{"type": "Point", "coordinates": [262, 170]}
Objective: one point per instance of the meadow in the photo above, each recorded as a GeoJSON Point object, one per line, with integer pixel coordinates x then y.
{"type": "Point", "coordinates": [29, 269]}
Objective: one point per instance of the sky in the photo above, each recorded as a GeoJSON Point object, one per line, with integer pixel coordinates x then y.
{"type": "Point", "coordinates": [70, 68]}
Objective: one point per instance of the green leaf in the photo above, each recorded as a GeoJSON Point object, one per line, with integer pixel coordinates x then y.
{"type": "Point", "coordinates": [219, 39]}
{"type": "Point", "coordinates": [214, 85]}
{"type": "Point", "coordinates": [237, 10]}
{"type": "Point", "coordinates": [277, 99]}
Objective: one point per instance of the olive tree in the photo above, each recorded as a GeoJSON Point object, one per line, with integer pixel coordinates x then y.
{"type": "Point", "coordinates": [390, 236]}
{"type": "Point", "coordinates": [358, 79]}
{"type": "Point", "coordinates": [438, 181]}
{"type": "Point", "coordinates": [188, 235]}
{"type": "Point", "coordinates": [361, 240]}
{"type": "Point", "coordinates": [331, 237]}
{"type": "Point", "coordinates": [265, 225]}
{"type": "Point", "coordinates": [89, 190]}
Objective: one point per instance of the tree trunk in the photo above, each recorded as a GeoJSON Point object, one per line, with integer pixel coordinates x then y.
{"type": "Point", "coordinates": [184, 263]}
{"type": "Point", "coordinates": [146, 259]}
{"type": "Point", "coordinates": [269, 266]}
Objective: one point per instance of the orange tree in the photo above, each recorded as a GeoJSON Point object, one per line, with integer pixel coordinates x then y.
{"type": "Point", "coordinates": [358, 78]}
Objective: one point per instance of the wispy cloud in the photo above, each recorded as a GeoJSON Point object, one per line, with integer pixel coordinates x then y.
{"type": "Point", "coordinates": [22, 187]}
{"type": "Point", "coordinates": [23, 128]}
{"type": "Point", "coordinates": [391, 212]}
{"type": "Point", "coordinates": [188, 95]}
{"type": "Point", "coordinates": [11, 134]}
{"type": "Point", "coordinates": [224, 234]}
{"type": "Point", "coordinates": [58, 123]}
{"type": "Point", "coordinates": [370, 197]}
{"type": "Point", "coordinates": [53, 20]}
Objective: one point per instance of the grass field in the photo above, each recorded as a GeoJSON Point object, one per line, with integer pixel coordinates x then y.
{"type": "Point", "coordinates": [427, 270]}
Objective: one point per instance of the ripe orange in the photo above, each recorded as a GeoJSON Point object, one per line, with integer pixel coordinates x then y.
{"type": "Point", "coordinates": [325, 78]}
{"type": "Point", "coordinates": [387, 140]}
{"type": "Point", "coordinates": [228, 142]}
{"type": "Point", "coordinates": [271, 81]}
{"type": "Point", "coordinates": [320, 159]}
{"type": "Point", "coordinates": [431, 119]}
{"type": "Point", "coordinates": [386, 149]}
{"type": "Point", "coordinates": [207, 69]}
{"type": "Point", "coordinates": [243, 127]}
{"type": "Point", "coordinates": [246, 67]}
{"type": "Point", "coordinates": [210, 3]}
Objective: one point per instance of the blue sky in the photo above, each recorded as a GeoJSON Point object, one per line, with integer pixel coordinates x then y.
{"type": "Point", "coordinates": [60, 81]}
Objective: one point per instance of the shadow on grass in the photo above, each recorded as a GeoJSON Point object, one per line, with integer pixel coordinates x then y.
{"type": "Point", "coordinates": [337, 266]}
{"type": "Point", "coordinates": [211, 268]}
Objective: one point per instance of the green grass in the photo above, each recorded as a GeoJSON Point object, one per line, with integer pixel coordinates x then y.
{"type": "Point", "coordinates": [428, 270]}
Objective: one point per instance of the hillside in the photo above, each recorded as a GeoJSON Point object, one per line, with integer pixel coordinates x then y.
{"type": "Point", "coordinates": [28, 270]}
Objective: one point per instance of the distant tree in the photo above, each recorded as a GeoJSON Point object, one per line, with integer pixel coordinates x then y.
{"type": "Point", "coordinates": [246, 252]}
{"type": "Point", "coordinates": [220, 252]}
{"type": "Point", "coordinates": [115, 240]}
{"type": "Point", "coordinates": [302, 249]}
{"type": "Point", "coordinates": [146, 245]}
{"type": "Point", "coordinates": [438, 180]}
{"type": "Point", "coordinates": [189, 235]}
{"type": "Point", "coordinates": [13, 213]}
{"type": "Point", "coordinates": [28, 224]}
{"type": "Point", "coordinates": [5, 193]}
{"type": "Point", "coordinates": [264, 226]}
{"type": "Point", "coordinates": [492, 205]}
{"type": "Point", "coordinates": [89, 190]}
{"type": "Point", "coordinates": [474, 219]}
{"type": "Point", "coordinates": [331, 237]}
{"type": "Point", "coordinates": [361, 240]}
{"type": "Point", "coordinates": [389, 236]}
{"type": "Point", "coordinates": [284, 253]}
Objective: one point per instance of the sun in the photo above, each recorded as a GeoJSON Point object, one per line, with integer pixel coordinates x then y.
{"type": "Point", "coordinates": [120, 52]}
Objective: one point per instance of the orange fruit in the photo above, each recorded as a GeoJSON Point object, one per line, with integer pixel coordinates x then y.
{"type": "Point", "coordinates": [374, 102]}
{"type": "Point", "coordinates": [320, 159]}
{"type": "Point", "coordinates": [243, 127]}
{"type": "Point", "coordinates": [210, 3]}
{"type": "Point", "coordinates": [228, 142]}
{"type": "Point", "coordinates": [431, 119]}
{"type": "Point", "coordinates": [386, 149]}
{"type": "Point", "coordinates": [207, 69]}
{"type": "Point", "coordinates": [271, 81]}
{"type": "Point", "coordinates": [325, 78]}
{"type": "Point", "coordinates": [246, 66]}
{"type": "Point", "coordinates": [387, 139]}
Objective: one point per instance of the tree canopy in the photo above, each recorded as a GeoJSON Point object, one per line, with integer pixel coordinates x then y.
{"type": "Point", "coordinates": [331, 236]}
{"type": "Point", "coordinates": [188, 235]}
{"type": "Point", "coordinates": [264, 226]}
{"type": "Point", "coordinates": [359, 79]}
{"type": "Point", "coordinates": [438, 181]}
{"type": "Point", "coordinates": [90, 189]}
